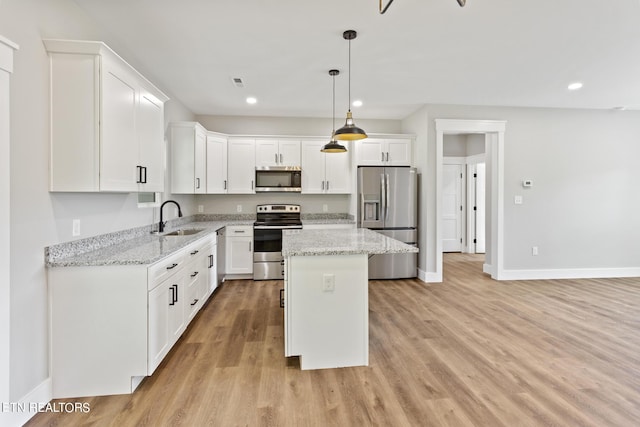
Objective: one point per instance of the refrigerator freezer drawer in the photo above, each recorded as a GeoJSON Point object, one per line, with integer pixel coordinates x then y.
{"type": "Point", "coordinates": [393, 266]}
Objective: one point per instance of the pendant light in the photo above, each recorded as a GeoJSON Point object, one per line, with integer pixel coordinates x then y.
{"type": "Point", "coordinates": [349, 132]}
{"type": "Point", "coordinates": [333, 146]}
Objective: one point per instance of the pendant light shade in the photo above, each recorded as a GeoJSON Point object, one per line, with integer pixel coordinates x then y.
{"type": "Point", "coordinates": [333, 146]}
{"type": "Point", "coordinates": [349, 132]}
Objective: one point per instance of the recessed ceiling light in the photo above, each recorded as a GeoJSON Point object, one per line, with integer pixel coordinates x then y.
{"type": "Point", "coordinates": [357, 103]}
{"type": "Point", "coordinates": [575, 86]}
{"type": "Point", "coordinates": [251, 100]}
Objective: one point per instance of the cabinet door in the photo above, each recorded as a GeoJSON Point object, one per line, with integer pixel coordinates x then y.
{"type": "Point", "coordinates": [398, 152]}
{"type": "Point", "coordinates": [200, 162]}
{"type": "Point", "coordinates": [176, 312]}
{"type": "Point", "coordinates": [216, 164]}
{"type": "Point", "coordinates": [150, 128]}
{"type": "Point", "coordinates": [241, 168]}
{"type": "Point", "coordinates": [289, 153]}
{"type": "Point", "coordinates": [338, 177]}
{"type": "Point", "coordinates": [119, 145]}
{"type": "Point", "coordinates": [239, 256]}
{"type": "Point", "coordinates": [370, 152]}
{"type": "Point", "coordinates": [158, 329]}
{"type": "Point", "coordinates": [267, 153]}
{"type": "Point", "coordinates": [313, 174]}
{"type": "Point", "coordinates": [210, 261]}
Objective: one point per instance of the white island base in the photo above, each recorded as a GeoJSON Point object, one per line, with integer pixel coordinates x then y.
{"type": "Point", "coordinates": [327, 310]}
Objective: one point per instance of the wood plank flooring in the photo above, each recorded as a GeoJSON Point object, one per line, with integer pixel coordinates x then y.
{"type": "Point", "coordinates": [466, 352]}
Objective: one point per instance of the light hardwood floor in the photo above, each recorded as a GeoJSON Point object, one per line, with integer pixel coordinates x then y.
{"type": "Point", "coordinates": [469, 351]}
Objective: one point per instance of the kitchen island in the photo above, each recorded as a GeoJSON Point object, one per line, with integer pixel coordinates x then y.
{"type": "Point", "coordinates": [326, 294]}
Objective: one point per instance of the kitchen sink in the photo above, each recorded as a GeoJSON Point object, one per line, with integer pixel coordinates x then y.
{"type": "Point", "coordinates": [185, 232]}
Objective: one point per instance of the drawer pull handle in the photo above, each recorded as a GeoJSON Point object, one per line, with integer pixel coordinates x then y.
{"type": "Point", "coordinates": [172, 266]}
{"type": "Point", "coordinates": [194, 252]}
{"type": "Point", "coordinates": [195, 301]}
{"type": "Point", "coordinates": [195, 273]}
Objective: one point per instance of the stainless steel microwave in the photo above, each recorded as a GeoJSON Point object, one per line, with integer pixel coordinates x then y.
{"type": "Point", "coordinates": [279, 179]}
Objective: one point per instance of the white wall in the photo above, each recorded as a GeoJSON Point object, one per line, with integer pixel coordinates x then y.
{"type": "Point", "coordinates": [40, 218]}
{"type": "Point", "coordinates": [582, 209]}
{"type": "Point", "coordinates": [309, 203]}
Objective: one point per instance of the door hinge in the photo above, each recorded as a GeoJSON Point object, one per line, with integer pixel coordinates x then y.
{"type": "Point", "coordinates": [475, 175]}
{"type": "Point", "coordinates": [460, 175]}
{"type": "Point", "coordinates": [475, 208]}
{"type": "Point", "coordinates": [475, 241]}
{"type": "Point", "coordinates": [461, 240]}
{"type": "Point", "coordinates": [461, 207]}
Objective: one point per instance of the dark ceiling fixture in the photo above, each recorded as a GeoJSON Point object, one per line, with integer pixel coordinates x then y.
{"type": "Point", "coordinates": [333, 146]}
{"type": "Point", "coordinates": [349, 132]}
{"type": "Point", "coordinates": [382, 8]}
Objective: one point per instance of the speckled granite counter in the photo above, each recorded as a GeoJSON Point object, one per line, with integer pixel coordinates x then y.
{"type": "Point", "coordinates": [145, 249]}
{"type": "Point", "coordinates": [340, 242]}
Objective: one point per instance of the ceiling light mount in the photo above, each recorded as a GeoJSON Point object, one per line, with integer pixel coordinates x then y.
{"type": "Point", "coordinates": [349, 132]}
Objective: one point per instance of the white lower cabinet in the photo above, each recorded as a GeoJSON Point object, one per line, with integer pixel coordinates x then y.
{"type": "Point", "coordinates": [239, 249]}
{"type": "Point", "coordinates": [113, 325]}
{"type": "Point", "coordinates": [211, 266]}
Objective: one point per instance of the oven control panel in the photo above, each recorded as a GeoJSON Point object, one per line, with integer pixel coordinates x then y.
{"type": "Point", "coordinates": [277, 208]}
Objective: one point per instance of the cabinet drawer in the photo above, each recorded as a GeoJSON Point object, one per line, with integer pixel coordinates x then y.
{"type": "Point", "coordinates": [239, 230]}
{"type": "Point", "coordinates": [164, 269]}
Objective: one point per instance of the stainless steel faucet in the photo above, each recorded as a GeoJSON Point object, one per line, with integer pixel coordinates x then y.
{"type": "Point", "coordinates": [162, 224]}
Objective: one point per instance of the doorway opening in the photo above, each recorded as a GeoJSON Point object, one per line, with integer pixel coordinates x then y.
{"type": "Point", "coordinates": [463, 193]}
{"type": "Point", "coordinates": [492, 133]}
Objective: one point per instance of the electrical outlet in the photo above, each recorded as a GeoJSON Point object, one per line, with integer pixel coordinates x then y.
{"type": "Point", "coordinates": [325, 208]}
{"type": "Point", "coordinates": [517, 200]}
{"type": "Point", "coordinates": [328, 282]}
{"type": "Point", "coordinates": [534, 250]}
{"type": "Point", "coordinates": [200, 208]}
{"type": "Point", "coordinates": [75, 228]}
{"type": "Point", "coordinates": [239, 208]}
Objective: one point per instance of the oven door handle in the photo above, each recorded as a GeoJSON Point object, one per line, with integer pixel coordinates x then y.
{"type": "Point", "coordinates": [278, 227]}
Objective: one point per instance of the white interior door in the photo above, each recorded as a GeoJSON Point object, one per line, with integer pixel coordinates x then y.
{"type": "Point", "coordinates": [452, 208]}
{"type": "Point", "coordinates": [480, 208]}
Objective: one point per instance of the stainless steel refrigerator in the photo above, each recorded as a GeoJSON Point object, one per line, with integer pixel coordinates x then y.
{"type": "Point", "coordinates": [387, 203]}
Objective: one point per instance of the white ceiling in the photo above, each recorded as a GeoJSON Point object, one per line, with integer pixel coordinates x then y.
{"type": "Point", "coordinates": [491, 52]}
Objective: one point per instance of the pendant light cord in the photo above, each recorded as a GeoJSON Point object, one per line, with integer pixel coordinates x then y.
{"type": "Point", "coordinates": [333, 132]}
{"type": "Point", "coordinates": [349, 106]}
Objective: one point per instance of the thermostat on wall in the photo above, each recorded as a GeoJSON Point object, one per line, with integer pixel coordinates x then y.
{"type": "Point", "coordinates": [527, 183]}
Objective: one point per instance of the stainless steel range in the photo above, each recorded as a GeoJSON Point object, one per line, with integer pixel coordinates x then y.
{"type": "Point", "coordinates": [267, 238]}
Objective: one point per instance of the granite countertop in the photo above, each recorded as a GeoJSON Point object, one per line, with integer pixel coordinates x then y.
{"type": "Point", "coordinates": [328, 221]}
{"type": "Point", "coordinates": [142, 250]}
{"type": "Point", "coordinates": [340, 242]}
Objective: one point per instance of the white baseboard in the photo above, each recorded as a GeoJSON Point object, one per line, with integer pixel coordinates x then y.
{"type": "Point", "coordinates": [25, 408]}
{"type": "Point", "coordinates": [575, 273]}
{"type": "Point", "coordinates": [429, 277]}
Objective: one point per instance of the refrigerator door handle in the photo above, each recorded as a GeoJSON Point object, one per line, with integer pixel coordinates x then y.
{"type": "Point", "coordinates": [386, 192]}
{"type": "Point", "coordinates": [361, 209]}
{"type": "Point", "coordinates": [383, 197]}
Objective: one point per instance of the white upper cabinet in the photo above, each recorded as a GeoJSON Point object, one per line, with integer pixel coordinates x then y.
{"type": "Point", "coordinates": [383, 152]}
{"type": "Point", "coordinates": [325, 173]}
{"type": "Point", "coordinates": [241, 166]}
{"type": "Point", "coordinates": [188, 158]}
{"type": "Point", "coordinates": [216, 163]}
{"type": "Point", "coordinates": [274, 152]}
{"type": "Point", "coordinates": [107, 122]}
